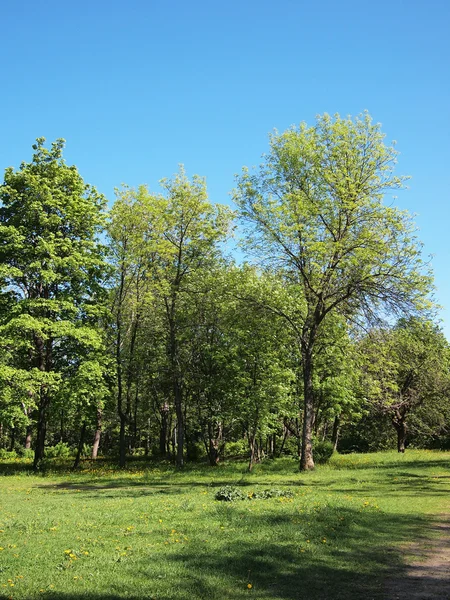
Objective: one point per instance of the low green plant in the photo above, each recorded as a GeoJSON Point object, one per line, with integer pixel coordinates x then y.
{"type": "Point", "coordinates": [323, 451]}
{"type": "Point", "coordinates": [229, 493]}
{"type": "Point", "coordinates": [61, 450]}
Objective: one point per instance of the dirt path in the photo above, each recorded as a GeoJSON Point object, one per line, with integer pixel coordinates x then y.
{"type": "Point", "coordinates": [427, 576]}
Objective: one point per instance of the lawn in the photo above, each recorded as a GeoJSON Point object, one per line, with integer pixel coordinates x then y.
{"type": "Point", "coordinates": [153, 532]}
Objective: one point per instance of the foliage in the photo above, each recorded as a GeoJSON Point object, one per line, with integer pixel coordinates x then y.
{"type": "Point", "coordinates": [52, 272]}
{"type": "Point", "coordinates": [60, 450]}
{"type": "Point", "coordinates": [316, 215]}
{"type": "Point", "coordinates": [323, 451]}
{"type": "Point", "coordinates": [229, 493]}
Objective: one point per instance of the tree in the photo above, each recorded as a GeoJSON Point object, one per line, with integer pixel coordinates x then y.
{"type": "Point", "coordinates": [53, 266]}
{"type": "Point", "coordinates": [406, 371]}
{"type": "Point", "coordinates": [161, 241]}
{"type": "Point", "coordinates": [315, 211]}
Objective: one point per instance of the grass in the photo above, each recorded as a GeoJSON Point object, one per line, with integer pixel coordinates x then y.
{"type": "Point", "coordinates": [153, 532]}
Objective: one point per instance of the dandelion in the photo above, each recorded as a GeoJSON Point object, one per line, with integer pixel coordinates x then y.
{"type": "Point", "coordinates": [249, 586]}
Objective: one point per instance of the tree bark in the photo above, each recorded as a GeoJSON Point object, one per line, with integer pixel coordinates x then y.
{"type": "Point", "coordinates": [163, 430]}
{"type": "Point", "coordinates": [306, 460]}
{"type": "Point", "coordinates": [80, 446]}
{"type": "Point", "coordinates": [97, 435]}
{"type": "Point", "coordinates": [398, 421]}
{"type": "Point", "coordinates": [335, 434]}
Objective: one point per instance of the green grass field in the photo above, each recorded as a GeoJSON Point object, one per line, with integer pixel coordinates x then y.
{"type": "Point", "coordinates": [153, 532]}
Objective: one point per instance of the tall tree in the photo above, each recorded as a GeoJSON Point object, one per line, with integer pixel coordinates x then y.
{"type": "Point", "coordinates": [53, 265]}
{"type": "Point", "coordinates": [160, 242]}
{"type": "Point", "coordinates": [316, 212]}
{"type": "Point", "coordinates": [406, 370]}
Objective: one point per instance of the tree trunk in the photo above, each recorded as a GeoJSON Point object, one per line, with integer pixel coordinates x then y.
{"type": "Point", "coordinates": [28, 437]}
{"type": "Point", "coordinates": [164, 412]}
{"type": "Point", "coordinates": [97, 435]}
{"type": "Point", "coordinates": [306, 460]}
{"type": "Point", "coordinates": [251, 441]}
{"type": "Point", "coordinates": [41, 430]}
{"type": "Point", "coordinates": [44, 362]}
{"type": "Point", "coordinates": [398, 421]}
{"type": "Point", "coordinates": [13, 439]}
{"type": "Point", "coordinates": [122, 441]}
{"type": "Point", "coordinates": [214, 445]}
{"type": "Point", "coordinates": [80, 446]}
{"type": "Point", "coordinates": [335, 434]}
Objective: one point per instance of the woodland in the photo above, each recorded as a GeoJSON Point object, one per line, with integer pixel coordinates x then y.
{"type": "Point", "coordinates": [136, 328]}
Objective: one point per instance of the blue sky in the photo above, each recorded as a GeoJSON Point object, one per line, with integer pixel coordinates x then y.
{"type": "Point", "coordinates": [138, 87]}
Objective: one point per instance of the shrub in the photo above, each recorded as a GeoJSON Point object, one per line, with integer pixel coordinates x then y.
{"type": "Point", "coordinates": [266, 494]}
{"type": "Point", "coordinates": [239, 448]}
{"type": "Point", "coordinates": [322, 451]}
{"type": "Point", "coordinates": [229, 493]}
{"type": "Point", "coordinates": [25, 452]}
{"type": "Point", "coordinates": [6, 454]}
{"type": "Point", "coordinates": [61, 450]}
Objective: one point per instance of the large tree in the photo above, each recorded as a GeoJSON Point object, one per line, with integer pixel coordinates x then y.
{"type": "Point", "coordinates": [316, 212]}
{"type": "Point", "coordinates": [161, 244]}
{"type": "Point", "coordinates": [53, 267]}
{"type": "Point", "coordinates": [406, 376]}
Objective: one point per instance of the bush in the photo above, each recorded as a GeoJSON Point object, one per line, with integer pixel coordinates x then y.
{"type": "Point", "coordinates": [239, 448]}
{"type": "Point", "coordinates": [7, 455]}
{"type": "Point", "coordinates": [322, 451]}
{"type": "Point", "coordinates": [229, 493]}
{"type": "Point", "coordinates": [25, 452]}
{"type": "Point", "coordinates": [61, 450]}
{"type": "Point", "coordinates": [266, 494]}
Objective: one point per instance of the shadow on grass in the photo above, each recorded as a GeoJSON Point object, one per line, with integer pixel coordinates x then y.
{"type": "Point", "coordinates": [354, 564]}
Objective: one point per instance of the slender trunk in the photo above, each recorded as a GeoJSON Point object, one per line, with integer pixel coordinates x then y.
{"type": "Point", "coordinates": [135, 414]}
{"type": "Point", "coordinates": [306, 460]}
{"type": "Point", "coordinates": [13, 439]}
{"type": "Point", "coordinates": [177, 394]}
{"type": "Point", "coordinates": [335, 434]}
{"type": "Point", "coordinates": [28, 437]}
{"type": "Point", "coordinates": [119, 369]}
{"type": "Point", "coordinates": [97, 434]}
{"type": "Point", "coordinates": [147, 438]}
{"type": "Point", "coordinates": [61, 427]}
{"type": "Point", "coordinates": [164, 412]}
{"type": "Point", "coordinates": [251, 441]}
{"type": "Point", "coordinates": [214, 445]}
{"type": "Point", "coordinates": [80, 446]}
{"type": "Point", "coordinates": [41, 430]}
{"type": "Point", "coordinates": [122, 441]}
{"type": "Point", "coordinates": [44, 359]}
{"type": "Point", "coordinates": [285, 435]}
{"type": "Point", "coordinates": [398, 421]}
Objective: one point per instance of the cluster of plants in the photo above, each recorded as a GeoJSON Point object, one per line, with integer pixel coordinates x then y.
{"type": "Point", "coordinates": [132, 330]}
{"type": "Point", "coordinates": [230, 493]}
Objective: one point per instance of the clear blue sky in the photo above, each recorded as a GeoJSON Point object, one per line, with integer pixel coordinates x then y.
{"type": "Point", "coordinates": [137, 87]}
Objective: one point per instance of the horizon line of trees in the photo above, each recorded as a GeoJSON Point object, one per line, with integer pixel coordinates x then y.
{"type": "Point", "coordinates": [133, 326]}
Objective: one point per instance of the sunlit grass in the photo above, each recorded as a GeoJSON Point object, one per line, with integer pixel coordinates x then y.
{"type": "Point", "coordinates": [154, 532]}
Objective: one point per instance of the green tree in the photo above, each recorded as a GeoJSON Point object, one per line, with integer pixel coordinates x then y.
{"type": "Point", "coordinates": [315, 211]}
{"type": "Point", "coordinates": [162, 241]}
{"type": "Point", "coordinates": [406, 374]}
{"type": "Point", "coordinates": [53, 266]}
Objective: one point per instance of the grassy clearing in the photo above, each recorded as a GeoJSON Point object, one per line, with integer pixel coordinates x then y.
{"type": "Point", "coordinates": [152, 532]}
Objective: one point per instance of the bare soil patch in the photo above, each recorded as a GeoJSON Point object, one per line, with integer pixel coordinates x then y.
{"type": "Point", "coordinates": [427, 575]}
